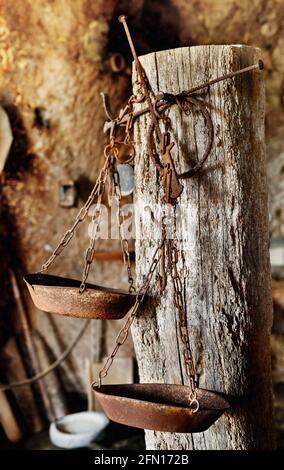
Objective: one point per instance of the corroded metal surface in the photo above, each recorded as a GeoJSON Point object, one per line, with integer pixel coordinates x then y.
{"type": "Point", "coordinates": [60, 295]}
{"type": "Point", "coordinates": [160, 407]}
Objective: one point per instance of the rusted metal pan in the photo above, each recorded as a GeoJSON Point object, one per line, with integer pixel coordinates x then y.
{"type": "Point", "coordinates": [160, 407]}
{"type": "Point", "coordinates": [61, 295]}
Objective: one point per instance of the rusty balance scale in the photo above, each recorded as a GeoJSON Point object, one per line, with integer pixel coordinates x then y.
{"type": "Point", "coordinates": [160, 407]}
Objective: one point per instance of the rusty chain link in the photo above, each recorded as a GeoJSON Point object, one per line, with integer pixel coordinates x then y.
{"type": "Point", "coordinates": [173, 254]}
{"type": "Point", "coordinates": [111, 154]}
{"type": "Point", "coordinates": [116, 194]}
{"type": "Point", "coordinates": [97, 190]}
{"type": "Point", "coordinates": [124, 331]}
{"type": "Point", "coordinates": [70, 232]}
{"type": "Point", "coordinates": [96, 216]}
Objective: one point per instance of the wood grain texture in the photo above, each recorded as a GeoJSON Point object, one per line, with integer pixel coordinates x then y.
{"type": "Point", "coordinates": [224, 251]}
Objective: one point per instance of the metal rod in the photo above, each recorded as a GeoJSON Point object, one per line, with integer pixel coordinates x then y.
{"type": "Point", "coordinates": [140, 71]}
{"type": "Point", "coordinates": [259, 66]}
{"type": "Point", "coordinates": [122, 19]}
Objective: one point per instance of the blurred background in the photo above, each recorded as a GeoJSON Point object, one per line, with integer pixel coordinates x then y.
{"type": "Point", "coordinates": [56, 56]}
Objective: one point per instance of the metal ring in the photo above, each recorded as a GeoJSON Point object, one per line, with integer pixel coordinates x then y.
{"type": "Point", "coordinates": [111, 151]}
{"type": "Point", "coordinates": [193, 400]}
{"type": "Point", "coordinates": [209, 124]}
{"type": "Point", "coordinates": [117, 62]}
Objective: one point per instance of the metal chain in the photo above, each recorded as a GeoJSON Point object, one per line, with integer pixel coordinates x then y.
{"type": "Point", "coordinates": [96, 215]}
{"type": "Point", "coordinates": [179, 304]}
{"type": "Point", "coordinates": [124, 331]}
{"type": "Point", "coordinates": [111, 153]}
{"type": "Point", "coordinates": [116, 194]}
{"type": "Point", "coordinates": [129, 124]}
{"type": "Point", "coordinates": [70, 232]}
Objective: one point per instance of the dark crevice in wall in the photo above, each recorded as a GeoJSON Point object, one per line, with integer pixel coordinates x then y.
{"type": "Point", "coordinates": [20, 159]}
{"type": "Point", "coordinates": [155, 28]}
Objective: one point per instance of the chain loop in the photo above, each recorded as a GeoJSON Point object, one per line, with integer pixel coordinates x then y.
{"type": "Point", "coordinates": [70, 232]}
{"type": "Point", "coordinates": [116, 195]}
{"type": "Point", "coordinates": [95, 221]}
{"type": "Point", "coordinates": [179, 304]}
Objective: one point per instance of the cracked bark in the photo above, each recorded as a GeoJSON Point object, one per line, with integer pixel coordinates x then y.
{"type": "Point", "coordinates": [224, 264]}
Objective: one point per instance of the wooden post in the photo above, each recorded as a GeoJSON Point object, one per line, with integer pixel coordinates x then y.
{"type": "Point", "coordinates": [225, 263]}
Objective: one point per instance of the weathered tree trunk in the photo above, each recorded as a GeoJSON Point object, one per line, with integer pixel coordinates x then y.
{"type": "Point", "coordinates": [224, 264]}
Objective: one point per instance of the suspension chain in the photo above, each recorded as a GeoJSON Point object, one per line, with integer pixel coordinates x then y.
{"type": "Point", "coordinates": [108, 170]}
{"type": "Point", "coordinates": [96, 217]}
{"type": "Point", "coordinates": [179, 304]}
{"type": "Point", "coordinates": [116, 194]}
{"type": "Point", "coordinates": [70, 232]}
{"type": "Point", "coordinates": [123, 333]}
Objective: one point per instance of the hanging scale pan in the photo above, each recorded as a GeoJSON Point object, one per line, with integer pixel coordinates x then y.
{"type": "Point", "coordinates": [74, 298]}
{"type": "Point", "coordinates": [61, 295]}
{"type": "Point", "coordinates": [160, 407]}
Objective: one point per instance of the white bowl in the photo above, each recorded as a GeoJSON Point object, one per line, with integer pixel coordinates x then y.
{"type": "Point", "coordinates": [77, 430]}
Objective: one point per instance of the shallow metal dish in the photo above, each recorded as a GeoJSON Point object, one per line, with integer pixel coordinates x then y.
{"type": "Point", "coordinates": [60, 295]}
{"type": "Point", "coordinates": [160, 407]}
